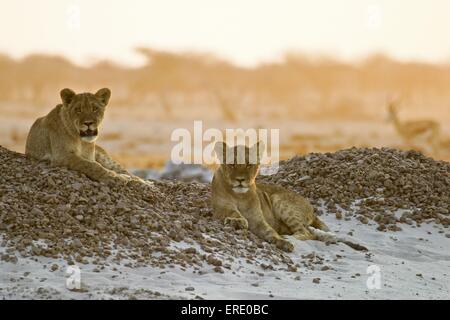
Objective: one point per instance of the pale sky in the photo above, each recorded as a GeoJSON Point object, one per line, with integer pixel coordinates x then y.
{"type": "Point", "coordinates": [244, 31]}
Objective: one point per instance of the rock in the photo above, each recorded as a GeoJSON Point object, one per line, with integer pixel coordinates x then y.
{"type": "Point", "coordinates": [363, 220]}
{"type": "Point", "coordinates": [383, 177]}
{"type": "Point", "coordinates": [13, 259]}
{"type": "Point", "coordinates": [190, 250]}
{"type": "Point", "coordinates": [36, 250]}
{"type": "Point", "coordinates": [77, 185]}
{"type": "Point", "coordinates": [218, 269]}
{"type": "Point", "coordinates": [213, 261]}
{"type": "Point", "coordinates": [35, 211]}
{"type": "Point", "coordinates": [83, 220]}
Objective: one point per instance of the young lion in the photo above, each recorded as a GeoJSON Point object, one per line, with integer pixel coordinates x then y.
{"type": "Point", "coordinates": [266, 210]}
{"type": "Point", "coordinates": [66, 137]}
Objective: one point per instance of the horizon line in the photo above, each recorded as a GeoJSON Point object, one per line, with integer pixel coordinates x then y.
{"type": "Point", "coordinates": [280, 58]}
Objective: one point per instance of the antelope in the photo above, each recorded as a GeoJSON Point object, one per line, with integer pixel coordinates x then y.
{"type": "Point", "coordinates": [416, 129]}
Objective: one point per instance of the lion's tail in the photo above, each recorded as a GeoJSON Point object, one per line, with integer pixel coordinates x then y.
{"type": "Point", "coordinates": [327, 236]}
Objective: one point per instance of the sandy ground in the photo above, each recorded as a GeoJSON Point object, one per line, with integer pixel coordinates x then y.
{"type": "Point", "coordinates": [413, 264]}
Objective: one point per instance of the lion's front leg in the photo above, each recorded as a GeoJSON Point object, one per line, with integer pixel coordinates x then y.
{"type": "Point", "coordinates": [102, 157]}
{"type": "Point", "coordinates": [259, 226]}
{"type": "Point", "coordinates": [91, 169]}
{"type": "Point", "coordinates": [230, 216]}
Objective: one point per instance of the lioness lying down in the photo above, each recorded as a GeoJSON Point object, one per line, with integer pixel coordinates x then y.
{"type": "Point", "coordinates": [267, 210]}
{"type": "Point", "coordinates": [66, 137]}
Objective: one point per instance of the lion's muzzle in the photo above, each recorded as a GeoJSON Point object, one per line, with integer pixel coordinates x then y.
{"type": "Point", "coordinates": [89, 131]}
{"type": "Point", "coordinates": [240, 185]}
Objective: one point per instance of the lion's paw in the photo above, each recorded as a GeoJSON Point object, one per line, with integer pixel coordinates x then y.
{"type": "Point", "coordinates": [284, 245]}
{"type": "Point", "coordinates": [237, 223]}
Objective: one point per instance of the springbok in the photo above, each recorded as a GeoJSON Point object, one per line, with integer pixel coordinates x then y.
{"type": "Point", "coordinates": [414, 130]}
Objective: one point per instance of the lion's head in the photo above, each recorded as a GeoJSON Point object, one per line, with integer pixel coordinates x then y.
{"type": "Point", "coordinates": [85, 111]}
{"type": "Point", "coordinates": [239, 165]}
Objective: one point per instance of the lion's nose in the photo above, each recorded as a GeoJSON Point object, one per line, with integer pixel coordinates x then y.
{"type": "Point", "coordinates": [88, 123]}
{"type": "Point", "coordinates": [240, 180]}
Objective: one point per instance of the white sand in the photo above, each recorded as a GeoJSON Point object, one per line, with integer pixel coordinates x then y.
{"type": "Point", "coordinates": [410, 268]}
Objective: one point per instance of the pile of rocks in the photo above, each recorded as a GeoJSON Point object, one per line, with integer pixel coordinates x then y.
{"type": "Point", "coordinates": [373, 183]}
{"type": "Point", "coordinates": [54, 212]}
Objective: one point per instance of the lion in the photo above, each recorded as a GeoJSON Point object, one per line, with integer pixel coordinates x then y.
{"type": "Point", "coordinates": [66, 137]}
{"type": "Point", "coordinates": [267, 210]}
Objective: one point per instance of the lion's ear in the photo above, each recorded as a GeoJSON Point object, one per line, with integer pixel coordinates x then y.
{"type": "Point", "coordinates": [67, 95]}
{"type": "Point", "coordinates": [220, 148]}
{"type": "Point", "coordinates": [103, 95]}
{"type": "Point", "coordinates": [258, 150]}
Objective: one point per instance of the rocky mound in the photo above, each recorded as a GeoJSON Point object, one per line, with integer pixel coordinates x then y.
{"type": "Point", "coordinates": [55, 212]}
{"type": "Point", "coordinates": [373, 183]}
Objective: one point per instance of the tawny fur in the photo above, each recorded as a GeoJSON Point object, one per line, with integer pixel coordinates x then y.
{"type": "Point", "coordinates": [66, 137]}
{"type": "Point", "coordinates": [267, 210]}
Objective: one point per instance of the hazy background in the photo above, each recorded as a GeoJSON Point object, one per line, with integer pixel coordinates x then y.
{"type": "Point", "coordinates": [321, 71]}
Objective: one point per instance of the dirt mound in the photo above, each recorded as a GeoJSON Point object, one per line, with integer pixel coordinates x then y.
{"type": "Point", "coordinates": [372, 184]}
{"type": "Point", "coordinates": [55, 212]}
